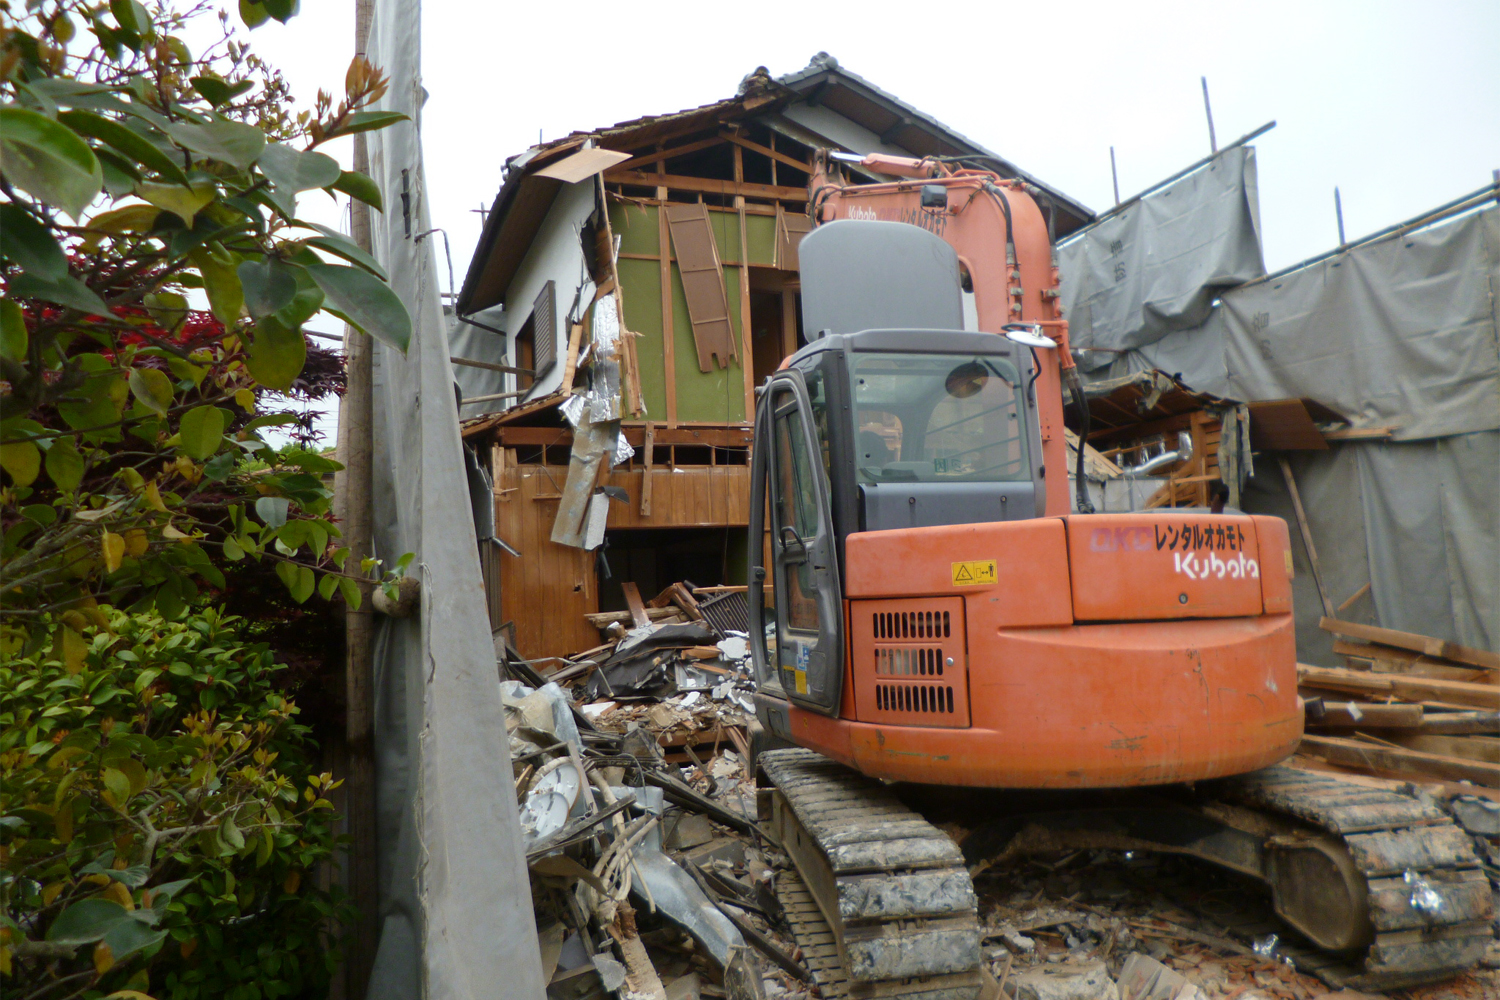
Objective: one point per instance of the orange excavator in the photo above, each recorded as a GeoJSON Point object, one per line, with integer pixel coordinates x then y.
{"type": "Point", "coordinates": [930, 607]}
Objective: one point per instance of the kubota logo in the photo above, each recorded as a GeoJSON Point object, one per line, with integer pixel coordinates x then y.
{"type": "Point", "coordinates": [1196, 567]}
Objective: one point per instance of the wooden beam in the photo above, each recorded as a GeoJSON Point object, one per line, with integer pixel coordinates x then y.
{"type": "Point", "coordinates": [1365, 714]}
{"type": "Point", "coordinates": [1412, 641]}
{"type": "Point", "coordinates": [662, 155]}
{"type": "Point", "coordinates": [1401, 686]}
{"type": "Point", "coordinates": [1307, 539]}
{"type": "Point", "coordinates": [508, 369]}
{"type": "Point", "coordinates": [1485, 748]}
{"type": "Point", "coordinates": [1361, 592]}
{"type": "Point", "coordinates": [1362, 433]}
{"type": "Point", "coordinates": [636, 605]}
{"type": "Point", "coordinates": [1355, 753]}
{"type": "Point", "coordinates": [1405, 661]}
{"type": "Point", "coordinates": [1105, 436]}
{"type": "Point", "coordinates": [756, 147]}
{"type": "Point", "coordinates": [706, 185]}
{"type": "Point", "coordinates": [635, 434]}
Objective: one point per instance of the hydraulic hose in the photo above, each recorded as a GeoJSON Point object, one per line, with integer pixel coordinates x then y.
{"type": "Point", "coordinates": [1075, 389]}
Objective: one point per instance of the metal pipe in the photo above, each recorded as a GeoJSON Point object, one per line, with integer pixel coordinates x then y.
{"type": "Point", "coordinates": [1208, 110]}
{"type": "Point", "coordinates": [1183, 453]}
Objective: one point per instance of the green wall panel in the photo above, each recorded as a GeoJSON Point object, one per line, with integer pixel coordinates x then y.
{"type": "Point", "coordinates": [760, 233]}
{"type": "Point", "coordinates": [635, 226]}
{"type": "Point", "coordinates": [727, 232]}
{"type": "Point", "coordinates": [640, 286]}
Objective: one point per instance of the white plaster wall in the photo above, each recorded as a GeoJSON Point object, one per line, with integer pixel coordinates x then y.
{"type": "Point", "coordinates": [555, 255]}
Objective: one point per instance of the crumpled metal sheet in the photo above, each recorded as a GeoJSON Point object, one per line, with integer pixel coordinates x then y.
{"type": "Point", "coordinates": [677, 896]}
{"type": "Point", "coordinates": [591, 442]}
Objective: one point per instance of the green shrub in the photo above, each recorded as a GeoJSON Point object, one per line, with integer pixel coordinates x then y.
{"type": "Point", "coordinates": [160, 814]}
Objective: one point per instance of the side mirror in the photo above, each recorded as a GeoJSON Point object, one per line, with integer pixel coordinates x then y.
{"type": "Point", "coordinates": [1027, 335]}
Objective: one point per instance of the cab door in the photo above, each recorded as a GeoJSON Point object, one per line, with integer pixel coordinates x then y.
{"type": "Point", "coordinates": [790, 493]}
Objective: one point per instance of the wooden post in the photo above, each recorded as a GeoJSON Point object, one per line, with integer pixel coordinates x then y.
{"type": "Point", "coordinates": [357, 442]}
{"type": "Point", "coordinates": [646, 479]}
{"type": "Point", "coordinates": [668, 335]}
{"type": "Point", "coordinates": [747, 355]}
{"type": "Point", "coordinates": [1307, 540]}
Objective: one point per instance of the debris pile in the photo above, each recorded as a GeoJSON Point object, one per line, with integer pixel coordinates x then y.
{"type": "Point", "coordinates": [652, 877]}
{"type": "Point", "coordinates": [1406, 706]}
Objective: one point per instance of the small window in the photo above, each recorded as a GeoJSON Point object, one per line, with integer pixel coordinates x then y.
{"type": "Point", "coordinates": [544, 329]}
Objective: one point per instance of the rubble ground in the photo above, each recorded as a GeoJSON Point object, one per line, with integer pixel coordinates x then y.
{"type": "Point", "coordinates": [650, 878]}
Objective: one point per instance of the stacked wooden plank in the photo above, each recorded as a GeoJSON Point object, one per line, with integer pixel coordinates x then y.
{"type": "Point", "coordinates": [1405, 705]}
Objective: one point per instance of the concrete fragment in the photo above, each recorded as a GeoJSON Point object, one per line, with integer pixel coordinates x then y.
{"type": "Point", "coordinates": [1476, 815]}
{"type": "Point", "coordinates": [1014, 939]}
{"type": "Point", "coordinates": [1144, 978]}
{"type": "Point", "coordinates": [1083, 981]}
{"type": "Point", "coordinates": [688, 987]}
{"type": "Point", "coordinates": [688, 830]}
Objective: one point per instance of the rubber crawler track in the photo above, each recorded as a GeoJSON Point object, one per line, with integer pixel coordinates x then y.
{"type": "Point", "coordinates": [1388, 834]}
{"type": "Point", "coordinates": [908, 915]}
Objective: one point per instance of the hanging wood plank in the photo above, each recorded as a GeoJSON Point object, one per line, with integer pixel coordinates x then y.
{"type": "Point", "coordinates": [702, 283]}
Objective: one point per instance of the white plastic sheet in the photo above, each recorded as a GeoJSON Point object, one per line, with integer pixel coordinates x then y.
{"type": "Point", "coordinates": [455, 904]}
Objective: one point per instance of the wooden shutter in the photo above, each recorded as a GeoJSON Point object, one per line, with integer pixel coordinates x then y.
{"type": "Point", "coordinates": [702, 283]}
{"type": "Point", "coordinates": [544, 328]}
{"type": "Point", "coordinates": [790, 228]}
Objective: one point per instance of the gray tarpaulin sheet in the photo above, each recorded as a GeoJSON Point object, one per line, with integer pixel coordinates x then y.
{"type": "Point", "coordinates": [1155, 267]}
{"type": "Point", "coordinates": [455, 907]}
{"type": "Point", "coordinates": [1401, 333]}
{"type": "Point", "coordinates": [470, 341]}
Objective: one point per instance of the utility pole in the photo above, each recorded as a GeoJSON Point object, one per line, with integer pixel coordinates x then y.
{"type": "Point", "coordinates": [1213, 143]}
{"type": "Point", "coordinates": [357, 447]}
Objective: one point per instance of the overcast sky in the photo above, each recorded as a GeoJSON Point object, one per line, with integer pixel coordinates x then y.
{"type": "Point", "coordinates": [1397, 104]}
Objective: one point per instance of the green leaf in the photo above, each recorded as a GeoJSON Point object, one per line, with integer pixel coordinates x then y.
{"type": "Point", "coordinates": [14, 340]}
{"type": "Point", "coordinates": [230, 834]}
{"type": "Point", "coordinates": [22, 460]}
{"type": "Point", "coordinates": [27, 242]}
{"type": "Point", "coordinates": [272, 510]}
{"type": "Point", "coordinates": [120, 175]}
{"type": "Point", "coordinates": [337, 243]}
{"type": "Point", "coordinates": [86, 921]}
{"type": "Point", "coordinates": [232, 550]}
{"type": "Point", "coordinates": [201, 431]}
{"type": "Point", "coordinates": [282, 10]}
{"type": "Point", "coordinates": [152, 387]}
{"type": "Point", "coordinates": [357, 185]}
{"type": "Point", "coordinates": [183, 202]}
{"type": "Point", "coordinates": [327, 586]}
{"type": "Point", "coordinates": [253, 14]}
{"type": "Point", "coordinates": [351, 593]}
{"type": "Point", "coordinates": [221, 282]}
{"type": "Point", "coordinates": [118, 785]}
{"type": "Point", "coordinates": [268, 285]}
{"type": "Point", "coordinates": [130, 15]}
{"type": "Point", "coordinates": [97, 402]}
{"type": "Point", "coordinates": [220, 92]}
{"type": "Point", "coordinates": [224, 140]}
{"type": "Point", "coordinates": [64, 464]}
{"type": "Point", "coordinates": [47, 160]}
{"type": "Point", "coordinates": [365, 302]}
{"type": "Point", "coordinates": [65, 291]}
{"type": "Point", "coordinates": [288, 573]}
{"type": "Point", "coordinates": [132, 934]}
{"type": "Point", "coordinates": [303, 589]}
{"type": "Point", "coordinates": [292, 171]}
{"type": "Point", "coordinates": [306, 303]}
{"type": "Point", "coordinates": [133, 145]}
{"type": "Point", "coordinates": [365, 121]}
{"type": "Point", "coordinates": [277, 354]}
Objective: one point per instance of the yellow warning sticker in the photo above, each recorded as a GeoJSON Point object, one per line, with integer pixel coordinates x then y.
{"type": "Point", "coordinates": [973, 572]}
{"type": "Point", "coordinates": [801, 681]}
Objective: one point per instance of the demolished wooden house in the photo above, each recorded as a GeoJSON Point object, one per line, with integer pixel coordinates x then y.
{"type": "Point", "coordinates": [632, 286]}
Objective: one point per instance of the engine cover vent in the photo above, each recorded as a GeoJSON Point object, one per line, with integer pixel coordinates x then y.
{"type": "Point", "coordinates": [910, 662]}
